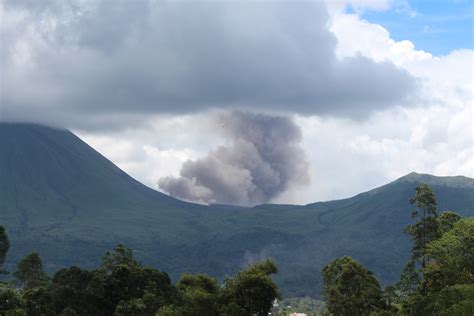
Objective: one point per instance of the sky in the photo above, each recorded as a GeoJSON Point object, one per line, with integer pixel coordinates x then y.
{"type": "Point", "coordinates": [438, 26]}
{"type": "Point", "coordinates": [249, 102]}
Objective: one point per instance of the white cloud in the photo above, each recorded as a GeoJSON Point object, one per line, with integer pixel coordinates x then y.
{"type": "Point", "coordinates": [349, 157]}
{"type": "Point", "coordinates": [158, 148]}
{"type": "Point", "coordinates": [143, 161]}
{"type": "Point", "coordinates": [447, 78]}
{"type": "Point", "coordinates": [434, 137]}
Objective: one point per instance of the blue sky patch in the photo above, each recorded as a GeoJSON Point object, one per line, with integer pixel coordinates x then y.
{"type": "Point", "coordinates": [435, 26]}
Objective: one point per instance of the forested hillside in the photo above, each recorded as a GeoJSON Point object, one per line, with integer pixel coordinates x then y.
{"type": "Point", "coordinates": [59, 197]}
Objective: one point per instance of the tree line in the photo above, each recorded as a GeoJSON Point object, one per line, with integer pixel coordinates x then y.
{"type": "Point", "coordinates": [437, 280]}
{"type": "Point", "coordinates": [121, 286]}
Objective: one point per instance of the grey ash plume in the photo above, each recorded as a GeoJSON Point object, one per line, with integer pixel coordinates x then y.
{"type": "Point", "coordinates": [261, 161]}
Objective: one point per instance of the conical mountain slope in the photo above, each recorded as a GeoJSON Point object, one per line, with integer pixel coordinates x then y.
{"type": "Point", "coordinates": [47, 172]}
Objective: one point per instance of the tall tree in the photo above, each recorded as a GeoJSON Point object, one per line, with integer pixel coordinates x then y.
{"type": "Point", "coordinates": [426, 229]}
{"type": "Point", "coordinates": [30, 271]}
{"type": "Point", "coordinates": [352, 289]}
{"type": "Point", "coordinates": [251, 291]}
{"type": "Point", "coordinates": [4, 246]}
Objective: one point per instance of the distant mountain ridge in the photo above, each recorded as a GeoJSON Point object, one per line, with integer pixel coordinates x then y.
{"type": "Point", "coordinates": [451, 181]}
{"type": "Point", "coordinates": [60, 197]}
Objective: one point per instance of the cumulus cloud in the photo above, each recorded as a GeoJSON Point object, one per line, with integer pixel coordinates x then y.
{"type": "Point", "coordinates": [94, 63]}
{"type": "Point", "coordinates": [436, 137]}
{"type": "Point", "coordinates": [262, 160]}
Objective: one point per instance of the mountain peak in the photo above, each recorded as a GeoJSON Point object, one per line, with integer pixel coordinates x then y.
{"type": "Point", "coordinates": [450, 181]}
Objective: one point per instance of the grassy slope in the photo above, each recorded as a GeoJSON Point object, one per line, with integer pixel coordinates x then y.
{"type": "Point", "coordinates": [62, 198]}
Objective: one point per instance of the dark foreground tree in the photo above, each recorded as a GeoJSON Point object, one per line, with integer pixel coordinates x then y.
{"type": "Point", "coordinates": [251, 291]}
{"type": "Point", "coordinates": [11, 302]}
{"type": "Point", "coordinates": [4, 246]}
{"type": "Point", "coordinates": [30, 272]}
{"type": "Point", "coordinates": [136, 286]}
{"type": "Point", "coordinates": [331, 273]}
{"type": "Point", "coordinates": [39, 301]}
{"type": "Point", "coordinates": [197, 295]}
{"type": "Point", "coordinates": [129, 288]}
{"type": "Point", "coordinates": [350, 289]}
{"type": "Point", "coordinates": [79, 290]}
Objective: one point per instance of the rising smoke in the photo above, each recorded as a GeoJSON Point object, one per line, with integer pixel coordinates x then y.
{"type": "Point", "coordinates": [262, 160]}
